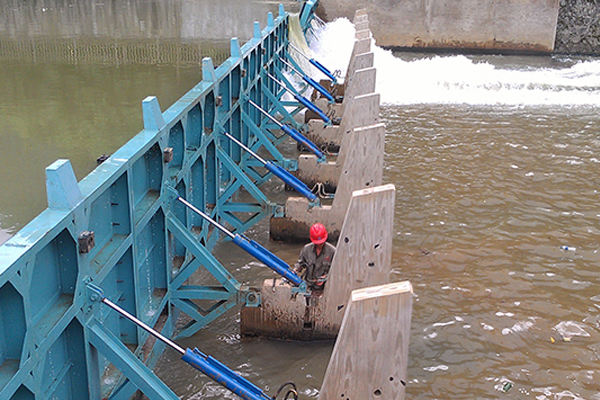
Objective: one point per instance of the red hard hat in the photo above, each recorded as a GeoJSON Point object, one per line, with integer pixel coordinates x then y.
{"type": "Point", "coordinates": [318, 233]}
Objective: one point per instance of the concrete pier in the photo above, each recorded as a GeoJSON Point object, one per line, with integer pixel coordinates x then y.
{"type": "Point", "coordinates": [360, 139]}
{"type": "Point", "coordinates": [362, 111]}
{"type": "Point", "coordinates": [362, 259]}
{"type": "Point", "coordinates": [360, 80]}
{"type": "Point", "coordinates": [370, 356]}
{"type": "Point", "coordinates": [363, 169]}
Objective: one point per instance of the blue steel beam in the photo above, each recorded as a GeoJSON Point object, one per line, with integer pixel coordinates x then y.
{"type": "Point", "coordinates": [124, 391]}
{"type": "Point", "coordinates": [262, 136]}
{"type": "Point", "coordinates": [123, 359]}
{"type": "Point", "coordinates": [120, 233]}
{"type": "Point", "coordinates": [298, 96]}
{"type": "Point", "coordinates": [242, 207]}
{"type": "Point", "coordinates": [281, 173]}
{"type": "Point", "coordinates": [210, 263]}
{"type": "Point", "coordinates": [243, 178]}
{"type": "Point", "coordinates": [251, 247]}
{"type": "Point", "coordinates": [180, 295]}
{"type": "Point", "coordinates": [201, 319]}
{"type": "Point", "coordinates": [281, 107]}
{"type": "Point", "coordinates": [186, 270]}
{"type": "Point", "coordinates": [201, 292]}
{"type": "Point", "coordinates": [206, 364]}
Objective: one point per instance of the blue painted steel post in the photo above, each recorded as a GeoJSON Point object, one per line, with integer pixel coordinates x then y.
{"type": "Point", "coordinates": [297, 136]}
{"type": "Point", "coordinates": [302, 100]}
{"type": "Point", "coordinates": [310, 81]}
{"type": "Point", "coordinates": [281, 173]}
{"type": "Point", "coordinates": [250, 246]}
{"type": "Point", "coordinates": [62, 188]}
{"type": "Point", "coordinates": [208, 365]}
{"type": "Point", "coordinates": [307, 13]}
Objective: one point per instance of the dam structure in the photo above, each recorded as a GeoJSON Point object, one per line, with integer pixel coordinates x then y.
{"type": "Point", "coordinates": [120, 266]}
{"type": "Point", "coordinates": [502, 26]}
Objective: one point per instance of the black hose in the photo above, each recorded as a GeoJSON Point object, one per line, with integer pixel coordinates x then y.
{"type": "Point", "coordinates": [292, 391]}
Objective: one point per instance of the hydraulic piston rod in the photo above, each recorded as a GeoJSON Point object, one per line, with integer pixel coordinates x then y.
{"type": "Point", "coordinates": [297, 136]}
{"type": "Point", "coordinates": [208, 365]}
{"type": "Point", "coordinates": [250, 246]}
{"type": "Point", "coordinates": [310, 81]}
{"type": "Point", "coordinates": [302, 100]}
{"type": "Point", "coordinates": [317, 64]}
{"type": "Point", "coordinates": [281, 173]}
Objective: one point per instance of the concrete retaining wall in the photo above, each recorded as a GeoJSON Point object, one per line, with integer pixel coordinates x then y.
{"type": "Point", "coordinates": [494, 25]}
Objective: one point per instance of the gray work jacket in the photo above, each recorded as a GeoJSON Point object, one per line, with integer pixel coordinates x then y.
{"type": "Point", "coordinates": [315, 267]}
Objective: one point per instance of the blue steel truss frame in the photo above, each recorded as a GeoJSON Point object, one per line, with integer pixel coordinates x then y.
{"type": "Point", "coordinates": [119, 229]}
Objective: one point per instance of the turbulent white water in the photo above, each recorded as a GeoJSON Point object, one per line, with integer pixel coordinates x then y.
{"type": "Point", "coordinates": [459, 79]}
{"type": "Point", "coordinates": [495, 161]}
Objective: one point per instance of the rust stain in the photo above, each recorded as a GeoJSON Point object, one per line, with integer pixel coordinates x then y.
{"type": "Point", "coordinates": [283, 320]}
{"type": "Point", "coordinates": [486, 46]}
{"type": "Point", "coordinates": [285, 229]}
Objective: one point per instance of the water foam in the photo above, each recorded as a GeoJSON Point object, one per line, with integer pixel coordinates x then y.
{"type": "Point", "coordinates": [460, 79]}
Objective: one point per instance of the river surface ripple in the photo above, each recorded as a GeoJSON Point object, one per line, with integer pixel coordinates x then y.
{"type": "Point", "coordinates": [486, 198]}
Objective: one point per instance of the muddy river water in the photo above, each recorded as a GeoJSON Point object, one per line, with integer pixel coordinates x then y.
{"type": "Point", "coordinates": [496, 165]}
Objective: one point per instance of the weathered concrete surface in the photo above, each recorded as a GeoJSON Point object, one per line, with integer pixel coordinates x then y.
{"type": "Point", "coordinates": [362, 111]}
{"type": "Point", "coordinates": [363, 168]}
{"type": "Point", "coordinates": [578, 29]}
{"type": "Point", "coordinates": [359, 163]}
{"type": "Point", "coordinates": [362, 59]}
{"type": "Point", "coordinates": [362, 259]}
{"type": "Point", "coordinates": [360, 79]}
{"type": "Point", "coordinates": [370, 356]}
{"type": "Point", "coordinates": [493, 25]}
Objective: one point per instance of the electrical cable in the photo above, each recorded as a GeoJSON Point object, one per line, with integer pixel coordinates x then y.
{"type": "Point", "coordinates": [319, 189]}
{"type": "Point", "coordinates": [293, 391]}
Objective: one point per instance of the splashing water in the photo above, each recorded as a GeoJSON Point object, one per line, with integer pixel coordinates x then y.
{"type": "Point", "coordinates": [459, 79]}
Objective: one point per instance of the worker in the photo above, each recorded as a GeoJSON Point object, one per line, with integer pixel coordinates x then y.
{"type": "Point", "coordinates": [315, 258]}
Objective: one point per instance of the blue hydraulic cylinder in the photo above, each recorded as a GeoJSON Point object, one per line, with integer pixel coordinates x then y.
{"type": "Point", "coordinates": [300, 138]}
{"type": "Point", "coordinates": [310, 81]}
{"type": "Point", "coordinates": [321, 68]}
{"type": "Point", "coordinates": [291, 180]}
{"type": "Point", "coordinates": [297, 136]}
{"type": "Point", "coordinates": [302, 100]}
{"type": "Point", "coordinates": [308, 104]}
{"type": "Point", "coordinates": [279, 172]}
{"type": "Point", "coordinates": [317, 64]}
{"type": "Point", "coordinates": [210, 366]}
{"type": "Point", "coordinates": [319, 87]}
{"type": "Point", "coordinates": [251, 247]}
{"type": "Point", "coordinates": [221, 374]}
{"type": "Point", "coordinates": [268, 258]}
